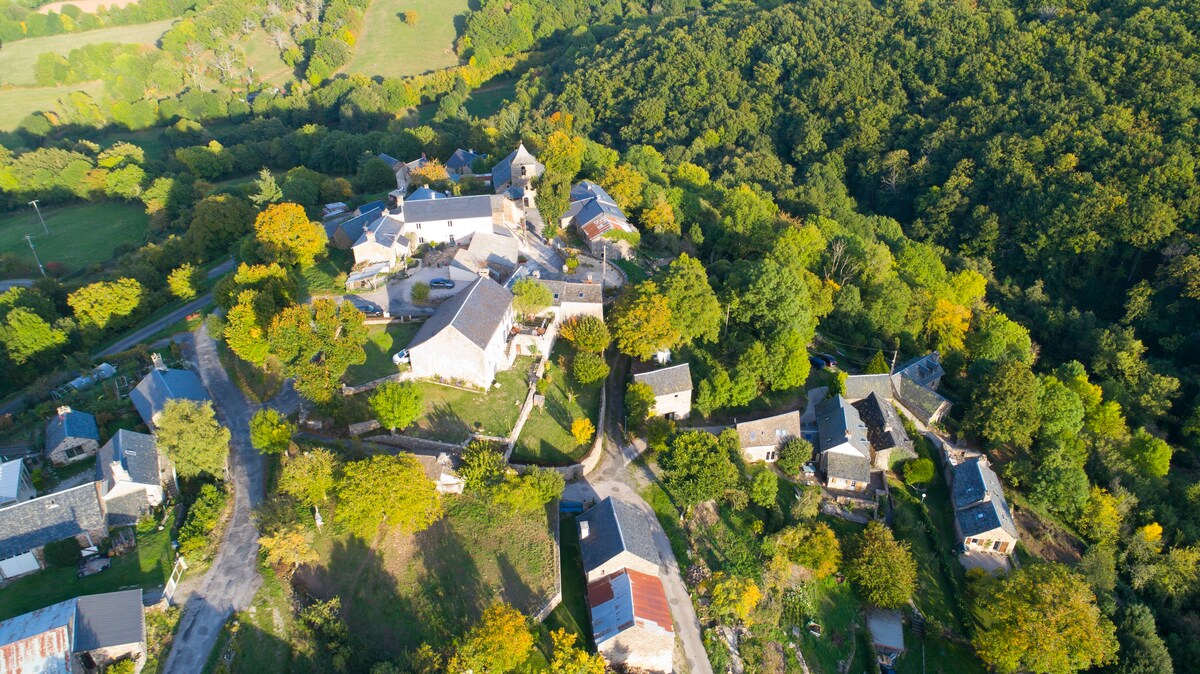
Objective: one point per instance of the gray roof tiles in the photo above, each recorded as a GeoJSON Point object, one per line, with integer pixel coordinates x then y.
{"type": "Point", "coordinates": [838, 422]}
{"type": "Point", "coordinates": [667, 380]}
{"type": "Point", "coordinates": [476, 312]}
{"type": "Point", "coordinates": [450, 208]}
{"type": "Point", "coordinates": [570, 292]}
{"type": "Point", "coordinates": [884, 429]}
{"type": "Point", "coordinates": [847, 467]}
{"type": "Point", "coordinates": [153, 392]}
{"type": "Point", "coordinates": [462, 160]}
{"type": "Point", "coordinates": [111, 619]}
{"type": "Point", "coordinates": [502, 172]}
{"type": "Point", "coordinates": [136, 452]}
{"type": "Point", "coordinates": [72, 424]}
{"type": "Point", "coordinates": [53, 517]}
{"type": "Point", "coordinates": [918, 398]}
{"type": "Point", "coordinates": [925, 370]}
{"type": "Point", "coordinates": [353, 226]}
{"type": "Point", "coordinates": [769, 431]}
{"type": "Point", "coordinates": [614, 527]}
{"type": "Point", "coordinates": [859, 386]}
{"type": "Point", "coordinates": [979, 499]}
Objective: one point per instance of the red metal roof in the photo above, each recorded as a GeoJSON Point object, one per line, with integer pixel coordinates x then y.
{"type": "Point", "coordinates": [649, 599]}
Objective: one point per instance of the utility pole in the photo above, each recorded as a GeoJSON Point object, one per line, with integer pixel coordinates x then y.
{"type": "Point", "coordinates": [35, 255]}
{"type": "Point", "coordinates": [34, 203]}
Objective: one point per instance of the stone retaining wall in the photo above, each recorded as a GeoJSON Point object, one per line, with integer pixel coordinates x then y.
{"type": "Point", "coordinates": [555, 599]}
{"type": "Point", "coordinates": [416, 444]}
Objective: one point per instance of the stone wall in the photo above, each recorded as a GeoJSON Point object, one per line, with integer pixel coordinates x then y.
{"type": "Point", "coordinates": [416, 444]}
{"type": "Point", "coordinates": [556, 598]}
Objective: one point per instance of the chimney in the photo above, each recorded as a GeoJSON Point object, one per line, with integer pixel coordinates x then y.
{"type": "Point", "coordinates": [583, 530]}
{"type": "Point", "coordinates": [64, 410]}
{"type": "Point", "coordinates": [537, 273]}
{"type": "Point", "coordinates": [157, 361]}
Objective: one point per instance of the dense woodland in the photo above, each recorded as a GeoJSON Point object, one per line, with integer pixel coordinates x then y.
{"type": "Point", "coordinates": [1014, 186]}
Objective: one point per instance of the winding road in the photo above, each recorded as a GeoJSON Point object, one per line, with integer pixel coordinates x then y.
{"type": "Point", "coordinates": [233, 578]}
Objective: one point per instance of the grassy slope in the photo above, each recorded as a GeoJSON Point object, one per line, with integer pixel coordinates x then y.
{"type": "Point", "coordinates": [79, 235]}
{"type": "Point", "coordinates": [546, 437]}
{"type": "Point", "coordinates": [382, 342]}
{"type": "Point", "coordinates": [390, 48]}
{"type": "Point", "coordinates": [16, 62]}
{"type": "Point", "coordinates": [17, 103]}
{"type": "Point", "coordinates": [147, 566]}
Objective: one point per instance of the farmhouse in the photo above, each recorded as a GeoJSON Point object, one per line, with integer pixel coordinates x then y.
{"type": "Point", "coordinates": [631, 620]}
{"type": "Point", "coordinates": [614, 535]}
{"type": "Point", "coordinates": [150, 396]}
{"type": "Point", "coordinates": [346, 228]}
{"type": "Point", "coordinates": [599, 219]}
{"type": "Point", "coordinates": [131, 473]}
{"type": "Point", "coordinates": [28, 526]}
{"type": "Point", "coordinates": [77, 635]}
{"type": "Point", "coordinates": [71, 436]}
{"type": "Point", "coordinates": [15, 483]}
{"type": "Point", "coordinates": [761, 438]}
{"type": "Point", "coordinates": [466, 339]}
{"type": "Point", "coordinates": [672, 387]}
{"type": "Point", "coordinates": [913, 385]}
{"type": "Point", "coordinates": [845, 448]}
{"type": "Point", "coordinates": [459, 164]}
{"type": "Point", "coordinates": [404, 170]}
{"type": "Point", "coordinates": [492, 255]}
{"type": "Point", "coordinates": [518, 170]}
{"type": "Point", "coordinates": [982, 519]}
{"type": "Point", "coordinates": [889, 441]}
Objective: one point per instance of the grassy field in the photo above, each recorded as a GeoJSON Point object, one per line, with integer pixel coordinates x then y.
{"type": "Point", "coordinates": [16, 103]}
{"type": "Point", "coordinates": [430, 587]}
{"type": "Point", "coordinates": [452, 414]}
{"type": "Point", "coordinates": [79, 235]}
{"type": "Point", "coordinates": [546, 437]}
{"type": "Point", "coordinates": [263, 57]}
{"type": "Point", "coordinates": [16, 62]}
{"type": "Point", "coordinates": [328, 275]}
{"type": "Point", "coordinates": [382, 342]}
{"type": "Point", "coordinates": [390, 48]}
{"type": "Point", "coordinates": [148, 565]}
{"type": "Point", "coordinates": [489, 98]}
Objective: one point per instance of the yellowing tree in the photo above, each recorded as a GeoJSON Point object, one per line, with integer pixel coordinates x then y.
{"type": "Point", "coordinates": [734, 597]}
{"type": "Point", "coordinates": [189, 434]}
{"type": "Point", "coordinates": [309, 477]}
{"type": "Point", "coordinates": [390, 490]}
{"type": "Point", "coordinates": [289, 547]}
{"type": "Point", "coordinates": [184, 281]}
{"type": "Point", "coordinates": [1100, 521]}
{"type": "Point", "coordinates": [582, 429]}
{"type": "Point", "coordinates": [100, 304]}
{"type": "Point", "coordinates": [569, 659]}
{"type": "Point", "coordinates": [287, 236]}
{"type": "Point", "coordinates": [500, 642]}
{"type": "Point", "coordinates": [641, 322]}
{"type": "Point", "coordinates": [625, 185]}
{"type": "Point", "coordinates": [947, 325]}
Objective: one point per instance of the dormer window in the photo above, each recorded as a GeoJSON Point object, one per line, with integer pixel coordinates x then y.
{"type": "Point", "coordinates": [449, 223]}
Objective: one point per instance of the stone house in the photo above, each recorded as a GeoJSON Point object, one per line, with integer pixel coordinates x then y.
{"type": "Point", "coordinates": [631, 620]}
{"type": "Point", "coordinates": [466, 339]}
{"type": "Point", "coordinates": [889, 441]}
{"type": "Point", "coordinates": [982, 519]}
{"type": "Point", "coordinates": [461, 162]}
{"type": "Point", "coordinates": [151, 394]}
{"type": "Point", "coordinates": [28, 526]}
{"type": "Point", "coordinates": [487, 254]}
{"type": "Point", "coordinates": [16, 485]}
{"type": "Point", "coordinates": [518, 170]}
{"type": "Point", "coordinates": [131, 474]}
{"type": "Point", "coordinates": [441, 469]}
{"type": "Point", "coordinates": [761, 438]}
{"type": "Point", "coordinates": [71, 436]}
{"type": "Point", "coordinates": [77, 635]}
{"type": "Point", "coordinates": [614, 535]}
{"type": "Point", "coordinates": [344, 229]}
{"type": "Point", "coordinates": [913, 386]}
{"type": "Point", "coordinates": [845, 448]}
{"type": "Point", "coordinates": [571, 299]}
{"type": "Point", "coordinates": [599, 220]}
{"type": "Point", "coordinates": [672, 387]}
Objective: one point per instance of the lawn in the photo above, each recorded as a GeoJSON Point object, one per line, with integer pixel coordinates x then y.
{"type": "Point", "coordinates": [18, 60]}
{"type": "Point", "coordinates": [328, 275]}
{"type": "Point", "coordinates": [263, 58]}
{"type": "Point", "coordinates": [430, 587]}
{"type": "Point", "coordinates": [80, 235]}
{"type": "Point", "coordinates": [390, 48]}
{"type": "Point", "coordinates": [149, 565]}
{"type": "Point", "coordinates": [835, 608]}
{"type": "Point", "coordinates": [546, 437]}
{"type": "Point", "coordinates": [382, 342]}
{"type": "Point", "coordinates": [489, 98]}
{"type": "Point", "coordinates": [260, 384]}
{"type": "Point", "coordinates": [452, 414]}
{"type": "Point", "coordinates": [16, 103]}
{"type": "Point", "coordinates": [572, 614]}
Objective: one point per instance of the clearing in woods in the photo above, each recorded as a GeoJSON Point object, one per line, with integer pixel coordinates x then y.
{"type": "Point", "coordinates": [388, 47]}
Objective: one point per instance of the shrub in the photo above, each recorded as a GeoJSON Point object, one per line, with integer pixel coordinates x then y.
{"type": "Point", "coordinates": [793, 455]}
{"type": "Point", "coordinates": [420, 292]}
{"type": "Point", "coordinates": [410, 17]}
{"type": "Point", "coordinates": [62, 553]}
{"type": "Point", "coordinates": [583, 430]}
{"type": "Point", "coordinates": [589, 368]}
{"type": "Point", "coordinates": [202, 519]}
{"type": "Point", "coordinates": [918, 471]}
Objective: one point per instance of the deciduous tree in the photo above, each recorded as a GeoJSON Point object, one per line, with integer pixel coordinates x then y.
{"type": "Point", "coordinates": [582, 430]}
{"type": "Point", "coordinates": [287, 236]}
{"type": "Point", "coordinates": [289, 547]}
{"type": "Point", "coordinates": [589, 368]}
{"type": "Point", "coordinates": [531, 297]}
{"type": "Point", "coordinates": [642, 322]}
{"type": "Point", "coordinates": [918, 471]}
{"type": "Point", "coordinates": [695, 312]}
{"type": "Point", "coordinates": [391, 490]}
{"type": "Point", "coordinates": [397, 404]}
{"type": "Point", "coordinates": [794, 453]}
{"type": "Point", "coordinates": [764, 487]}
{"type": "Point", "coordinates": [500, 642]}
{"type": "Point", "coordinates": [567, 658]}
{"type": "Point", "coordinates": [588, 333]}
{"type": "Point", "coordinates": [317, 343]}
{"type": "Point", "coordinates": [882, 568]}
{"type": "Point", "coordinates": [695, 470]}
{"type": "Point", "coordinates": [309, 477]}
{"type": "Point", "coordinates": [483, 466]}
{"type": "Point", "coordinates": [103, 304]}
{"type": "Point", "coordinates": [188, 433]}
{"type": "Point", "coordinates": [184, 281]}
{"type": "Point", "coordinates": [1004, 407]}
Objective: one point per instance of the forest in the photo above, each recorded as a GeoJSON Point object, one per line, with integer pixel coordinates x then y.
{"type": "Point", "coordinates": [1011, 184]}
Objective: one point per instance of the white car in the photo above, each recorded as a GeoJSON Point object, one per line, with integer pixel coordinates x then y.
{"type": "Point", "coordinates": [400, 357]}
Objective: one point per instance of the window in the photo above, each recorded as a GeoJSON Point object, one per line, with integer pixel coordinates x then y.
{"type": "Point", "coordinates": [418, 225]}
{"type": "Point", "coordinates": [73, 452]}
{"type": "Point", "coordinates": [523, 170]}
{"type": "Point", "coordinates": [771, 455]}
{"type": "Point", "coordinates": [451, 238]}
{"type": "Point", "coordinates": [420, 239]}
{"type": "Point", "coordinates": [449, 223]}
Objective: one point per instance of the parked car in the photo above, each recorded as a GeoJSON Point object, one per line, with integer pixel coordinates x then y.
{"type": "Point", "coordinates": [816, 362]}
{"type": "Point", "coordinates": [441, 283]}
{"type": "Point", "coordinates": [368, 308]}
{"type": "Point", "coordinates": [400, 356]}
{"type": "Point", "coordinates": [830, 361]}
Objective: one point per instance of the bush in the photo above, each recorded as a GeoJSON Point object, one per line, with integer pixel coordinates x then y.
{"type": "Point", "coordinates": [793, 455]}
{"type": "Point", "coordinates": [62, 553]}
{"type": "Point", "coordinates": [420, 292]}
{"type": "Point", "coordinates": [202, 519]}
{"type": "Point", "coordinates": [589, 368]}
{"type": "Point", "coordinates": [918, 471]}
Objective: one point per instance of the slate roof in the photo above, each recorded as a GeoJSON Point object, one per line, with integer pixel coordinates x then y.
{"type": "Point", "coordinates": [136, 452]}
{"type": "Point", "coordinates": [887, 629]}
{"type": "Point", "coordinates": [502, 172]}
{"type": "Point", "coordinates": [53, 517]}
{"type": "Point", "coordinates": [488, 249]}
{"type": "Point", "coordinates": [353, 226]}
{"type": "Point", "coordinates": [668, 380]}
{"type": "Point", "coordinates": [462, 160]}
{"type": "Point", "coordinates": [153, 392]}
{"type": "Point", "coordinates": [847, 466]}
{"type": "Point", "coordinates": [423, 193]}
{"type": "Point", "coordinates": [859, 386]}
{"type": "Point", "coordinates": [73, 424]}
{"type": "Point", "coordinates": [979, 499]}
{"type": "Point", "coordinates": [769, 431]}
{"type": "Point", "coordinates": [614, 527]}
{"type": "Point", "coordinates": [111, 619]}
{"type": "Point", "coordinates": [625, 599]}
{"type": "Point", "coordinates": [838, 422]}
{"type": "Point", "coordinates": [921, 400]}
{"type": "Point", "coordinates": [391, 161]}
{"type": "Point", "coordinates": [594, 212]}
{"type": "Point", "coordinates": [884, 429]}
{"type": "Point", "coordinates": [436, 465]}
{"type": "Point", "coordinates": [476, 312]}
{"type": "Point", "coordinates": [452, 208]}
{"type": "Point", "coordinates": [578, 293]}
{"type": "Point", "coordinates": [126, 510]}
{"type": "Point", "coordinates": [923, 369]}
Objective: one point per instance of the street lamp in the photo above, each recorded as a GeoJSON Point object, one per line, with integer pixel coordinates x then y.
{"type": "Point", "coordinates": [34, 203]}
{"type": "Point", "coordinates": [35, 255]}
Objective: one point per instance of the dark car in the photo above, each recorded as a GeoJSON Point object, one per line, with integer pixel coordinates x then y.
{"type": "Point", "coordinates": [817, 362]}
{"type": "Point", "coordinates": [368, 308]}
{"type": "Point", "coordinates": [441, 283]}
{"type": "Point", "coordinates": [830, 361]}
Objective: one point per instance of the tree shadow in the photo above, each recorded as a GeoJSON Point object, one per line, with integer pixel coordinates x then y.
{"type": "Point", "coordinates": [443, 422]}
{"type": "Point", "coordinates": [514, 589]}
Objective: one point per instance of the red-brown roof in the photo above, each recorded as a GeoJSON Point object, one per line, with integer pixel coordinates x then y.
{"type": "Point", "coordinates": [649, 599]}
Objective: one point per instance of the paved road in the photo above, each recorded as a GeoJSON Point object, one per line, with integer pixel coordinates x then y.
{"type": "Point", "coordinates": [142, 334]}
{"type": "Point", "coordinates": [233, 579]}
{"type": "Point", "coordinates": [5, 286]}
{"type": "Point", "coordinates": [613, 477]}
